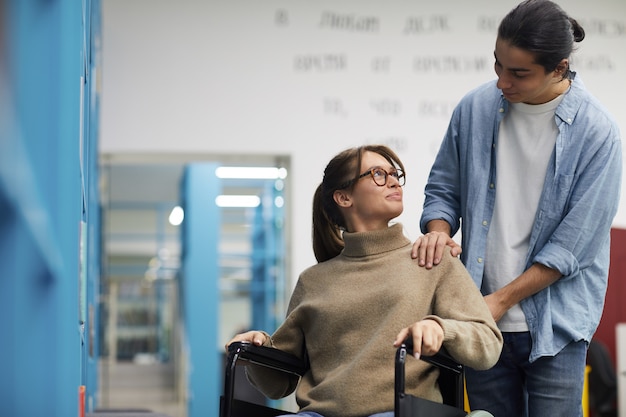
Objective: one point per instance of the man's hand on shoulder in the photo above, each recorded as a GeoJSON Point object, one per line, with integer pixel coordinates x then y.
{"type": "Point", "coordinates": [429, 248]}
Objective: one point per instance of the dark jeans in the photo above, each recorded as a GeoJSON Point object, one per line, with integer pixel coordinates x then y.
{"type": "Point", "coordinates": [514, 387]}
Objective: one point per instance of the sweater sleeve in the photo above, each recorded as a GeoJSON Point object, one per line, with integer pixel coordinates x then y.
{"type": "Point", "coordinates": [471, 335]}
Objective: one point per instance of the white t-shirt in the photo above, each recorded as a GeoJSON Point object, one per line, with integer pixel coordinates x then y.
{"type": "Point", "coordinates": [525, 144]}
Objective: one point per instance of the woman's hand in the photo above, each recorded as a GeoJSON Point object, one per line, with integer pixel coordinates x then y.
{"type": "Point", "coordinates": [427, 337]}
{"type": "Point", "coordinates": [429, 249]}
{"type": "Point", "coordinates": [253, 336]}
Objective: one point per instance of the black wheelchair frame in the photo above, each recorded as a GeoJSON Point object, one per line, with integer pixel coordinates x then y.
{"type": "Point", "coordinates": [450, 383]}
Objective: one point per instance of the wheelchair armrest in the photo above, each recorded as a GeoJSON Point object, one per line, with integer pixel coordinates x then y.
{"type": "Point", "coordinates": [441, 359]}
{"type": "Point", "coordinates": [260, 355]}
{"type": "Point", "coordinates": [450, 379]}
{"type": "Point", "coordinates": [267, 356]}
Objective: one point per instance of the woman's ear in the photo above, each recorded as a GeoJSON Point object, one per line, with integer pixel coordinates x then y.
{"type": "Point", "coordinates": [342, 198]}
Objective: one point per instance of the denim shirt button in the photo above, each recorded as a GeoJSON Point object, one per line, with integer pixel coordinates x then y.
{"type": "Point", "coordinates": [484, 222]}
{"type": "Point", "coordinates": [501, 110]}
{"type": "Point", "coordinates": [480, 260]}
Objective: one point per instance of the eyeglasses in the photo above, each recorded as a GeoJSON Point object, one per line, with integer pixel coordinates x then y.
{"type": "Point", "coordinates": [379, 175]}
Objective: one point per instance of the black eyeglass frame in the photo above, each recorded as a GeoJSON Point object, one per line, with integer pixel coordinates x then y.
{"type": "Point", "coordinates": [398, 174]}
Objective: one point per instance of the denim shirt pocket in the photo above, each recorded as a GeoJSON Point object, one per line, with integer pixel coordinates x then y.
{"type": "Point", "coordinates": [556, 202]}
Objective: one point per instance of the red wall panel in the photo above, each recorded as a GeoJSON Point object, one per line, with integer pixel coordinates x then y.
{"type": "Point", "coordinates": [615, 304]}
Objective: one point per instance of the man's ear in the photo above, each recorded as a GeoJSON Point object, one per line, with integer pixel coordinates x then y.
{"type": "Point", "coordinates": [562, 67]}
{"type": "Point", "coordinates": [342, 198]}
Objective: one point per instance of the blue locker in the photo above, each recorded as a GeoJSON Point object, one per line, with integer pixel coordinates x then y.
{"type": "Point", "coordinates": [44, 214]}
{"type": "Point", "coordinates": [199, 288]}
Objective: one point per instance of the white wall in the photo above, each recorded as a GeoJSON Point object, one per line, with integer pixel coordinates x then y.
{"type": "Point", "coordinates": [308, 79]}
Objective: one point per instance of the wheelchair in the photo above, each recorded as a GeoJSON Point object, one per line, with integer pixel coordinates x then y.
{"type": "Point", "coordinates": [450, 383]}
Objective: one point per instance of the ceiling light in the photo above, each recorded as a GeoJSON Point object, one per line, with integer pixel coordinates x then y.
{"type": "Point", "coordinates": [237, 201]}
{"type": "Point", "coordinates": [251, 172]}
{"type": "Point", "coordinates": [176, 216]}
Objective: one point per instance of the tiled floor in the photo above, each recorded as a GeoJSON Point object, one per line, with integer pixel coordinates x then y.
{"type": "Point", "coordinates": [152, 386]}
{"type": "Point", "coordinates": [127, 385]}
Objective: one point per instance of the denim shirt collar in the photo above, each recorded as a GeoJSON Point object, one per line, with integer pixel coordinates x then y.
{"type": "Point", "coordinates": [572, 101]}
{"type": "Point", "coordinates": [567, 110]}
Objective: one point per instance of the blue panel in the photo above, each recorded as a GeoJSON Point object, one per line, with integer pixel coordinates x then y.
{"type": "Point", "coordinates": [268, 263]}
{"type": "Point", "coordinates": [91, 201]}
{"type": "Point", "coordinates": [200, 288]}
{"type": "Point", "coordinates": [267, 260]}
{"type": "Point", "coordinates": [41, 207]}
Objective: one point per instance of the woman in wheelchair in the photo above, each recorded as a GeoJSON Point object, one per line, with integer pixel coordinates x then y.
{"type": "Point", "coordinates": [366, 295]}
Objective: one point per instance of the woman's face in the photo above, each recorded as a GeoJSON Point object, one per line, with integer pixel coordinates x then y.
{"type": "Point", "coordinates": [521, 79]}
{"type": "Point", "coordinates": [371, 206]}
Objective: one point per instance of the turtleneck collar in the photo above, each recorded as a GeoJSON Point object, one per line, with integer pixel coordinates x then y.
{"type": "Point", "coordinates": [359, 244]}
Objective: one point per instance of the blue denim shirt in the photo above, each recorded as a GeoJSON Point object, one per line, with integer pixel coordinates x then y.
{"type": "Point", "coordinates": [571, 232]}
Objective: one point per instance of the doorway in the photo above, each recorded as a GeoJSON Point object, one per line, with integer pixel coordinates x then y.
{"type": "Point", "coordinates": [141, 346]}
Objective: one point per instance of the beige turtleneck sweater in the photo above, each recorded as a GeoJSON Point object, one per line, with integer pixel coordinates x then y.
{"type": "Point", "coordinates": [346, 312]}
